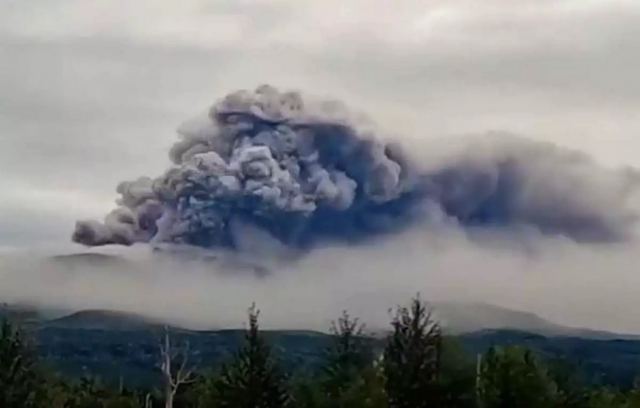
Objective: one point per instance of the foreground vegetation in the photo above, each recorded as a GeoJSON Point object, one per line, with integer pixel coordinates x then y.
{"type": "Point", "coordinates": [417, 367]}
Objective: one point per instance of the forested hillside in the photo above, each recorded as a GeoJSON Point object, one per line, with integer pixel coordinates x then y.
{"type": "Point", "coordinates": [106, 359]}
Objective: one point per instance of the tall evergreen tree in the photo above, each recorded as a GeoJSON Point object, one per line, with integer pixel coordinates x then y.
{"type": "Point", "coordinates": [349, 378]}
{"type": "Point", "coordinates": [457, 376]}
{"type": "Point", "coordinates": [571, 389]}
{"type": "Point", "coordinates": [19, 378]}
{"type": "Point", "coordinates": [253, 379]}
{"type": "Point", "coordinates": [412, 358]}
{"type": "Point", "coordinates": [348, 355]}
{"type": "Point", "coordinates": [513, 377]}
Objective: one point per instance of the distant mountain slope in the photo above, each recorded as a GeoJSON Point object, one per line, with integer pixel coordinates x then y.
{"type": "Point", "coordinates": [224, 262]}
{"type": "Point", "coordinates": [89, 259]}
{"type": "Point", "coordinates": [459, 318]}
{"type": "Point", "coordinates": [456, 318]}
{"type": "Point", "coordinates": [471, 317]}
{"type": "Point", "coordinates": [103, 320]}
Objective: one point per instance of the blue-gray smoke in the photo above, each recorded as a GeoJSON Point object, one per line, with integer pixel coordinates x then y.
{"type": "Point", "coordinates": [308, 172]}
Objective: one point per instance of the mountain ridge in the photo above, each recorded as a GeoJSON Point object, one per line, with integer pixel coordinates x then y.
{"type": "Point", "coordinates": [456, 319]}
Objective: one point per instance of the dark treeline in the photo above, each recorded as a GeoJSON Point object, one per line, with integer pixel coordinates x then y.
{"type": "Point", "coordinates": [418, 367]}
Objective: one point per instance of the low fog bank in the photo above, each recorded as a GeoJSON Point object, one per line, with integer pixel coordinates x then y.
{"type": "Point", "coordinates": [582, 285]}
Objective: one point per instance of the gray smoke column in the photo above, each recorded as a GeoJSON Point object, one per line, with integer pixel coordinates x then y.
{"type": "Point", "coordinates": [303, 172]}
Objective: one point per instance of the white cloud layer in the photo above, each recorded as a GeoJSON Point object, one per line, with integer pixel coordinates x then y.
{"type": "Point", "coordinates": [578, 285]}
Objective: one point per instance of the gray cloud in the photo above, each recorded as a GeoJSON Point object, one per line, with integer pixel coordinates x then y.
{"type": "Point", "coordinates": [303, 171]}
{"type": "Point", "coordinates": [77, 84]}
{"type": "Point", "coordinates": [92, 90]}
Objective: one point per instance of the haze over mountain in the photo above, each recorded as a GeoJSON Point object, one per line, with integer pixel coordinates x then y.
{"type": "Point", "coordinates": [107, 320]}
{"type": "Point", "coordinates": [455, 318]}
{"type": "Point", "coordinates": [460, 318]}
{"type": "Point", "coordinates": [204, 289]}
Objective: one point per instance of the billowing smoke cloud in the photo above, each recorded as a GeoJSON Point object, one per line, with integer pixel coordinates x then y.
{"type": "Point", "coordinates": [303, 172]}
{"type": "Point", "coordinates": [512, 182]}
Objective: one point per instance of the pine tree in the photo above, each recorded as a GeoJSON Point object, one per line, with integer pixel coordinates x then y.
{"type": "Point", "coordinates": [457, 375]}
{"type": "Point", "coordinates": [571, 388]}
{"type": "Point", "coordinates": [412, 358]}
{"type": "Point", "coordinates": [349, 379]}
{"type": "Point", "coordinates": [347, 356]}
{"type": "Point", "coordinates": [253, 379]}
{"type": "Point", "coordinates": [19, 379]}
{"type": "Point", "coordinates": [513, 377]}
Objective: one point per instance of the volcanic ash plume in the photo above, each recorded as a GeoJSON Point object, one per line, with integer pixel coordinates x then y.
{"type": "Point", "coordinates": [262, 159]}
{"type": "Point", "coordinates": [266, 161]}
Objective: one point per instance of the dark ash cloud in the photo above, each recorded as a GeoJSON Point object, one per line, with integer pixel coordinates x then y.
{"type": "Point", "coordinates": [306, 171]}
{"type": "Point", "coordinates": [266, 159]}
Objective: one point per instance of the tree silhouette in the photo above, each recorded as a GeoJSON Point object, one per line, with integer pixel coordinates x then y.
{"type": "Point", "coordinates": [348, 355]}
{"type": "Point", "coordinates": [412, 358]}
{"type": "Point", "coordinates": [252, 379]}
{"type": "Point", "coordinates": [19, 378]}
{"type": "Point", "coordinates": [174, 378]}
{"type": "Point", "coordinates": [513, 377]}
{"type": "Point", "coordinates": [348, 379]}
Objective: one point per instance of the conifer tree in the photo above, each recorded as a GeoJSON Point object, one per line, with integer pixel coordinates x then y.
{"type": "Point", "coordinates": [412, 358]}
{"type": "Point", "coordinates": [19, 378]}
{"type": "Point", "coordinates": [513, 377]}
{"type": "Point", "coordinates": [348, 354]}
{"type": "Point", "coordinates": [252, 379]}
{"type": "Point", "coordinates": [349, 378]}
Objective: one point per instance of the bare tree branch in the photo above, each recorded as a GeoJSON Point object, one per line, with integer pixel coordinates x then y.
{"type": "Point", "coordinates": [184, 375]}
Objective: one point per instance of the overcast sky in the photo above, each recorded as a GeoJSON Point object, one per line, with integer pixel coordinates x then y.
{"type": "Point", "coordinates": [92, 91]}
